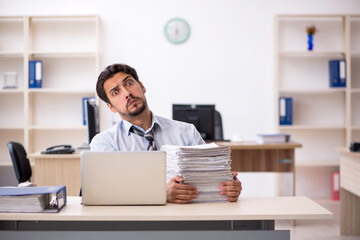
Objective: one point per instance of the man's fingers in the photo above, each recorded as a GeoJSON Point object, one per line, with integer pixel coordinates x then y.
{"type": "Point", "coordinates": [185, 196]}
{"type": "Point", "coordinates": [180, 193]}
{"type": "Point", "coordinates": [231, 189]}
{"type": "Point", "coordinates": [185, 187]}
{"type": "Point", "coordinates": [230, 193]}
{"type": "Point", "coordinates": [180, 201]}
{"type": "Point", "coordinates": [232, 199]}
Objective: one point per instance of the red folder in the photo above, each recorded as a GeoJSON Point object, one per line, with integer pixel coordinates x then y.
{"type": "Point", "coordinates": [335, 186]}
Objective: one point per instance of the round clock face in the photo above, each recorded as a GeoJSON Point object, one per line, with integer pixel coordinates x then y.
{"type": "Point", "coordinates": [177, 30]}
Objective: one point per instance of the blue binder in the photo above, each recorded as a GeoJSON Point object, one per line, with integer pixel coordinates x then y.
{"type": "Point", "coordinates": [285, 111]}
{"type": "Point", "coordinates": [337, 73]}
{"type": "Point", "coordinates": [35, 74]}
{"type": "Point", "coordinates": [26, 199]}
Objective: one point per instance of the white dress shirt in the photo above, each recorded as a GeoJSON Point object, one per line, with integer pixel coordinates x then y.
{"type": "Point", "coordinates": [166, 131]}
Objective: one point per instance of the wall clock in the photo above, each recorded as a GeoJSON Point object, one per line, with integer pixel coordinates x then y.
{"type": "Point", "coordinates": [177, 30]}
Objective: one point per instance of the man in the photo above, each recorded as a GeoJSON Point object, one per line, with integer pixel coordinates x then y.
{"type": "Point", "coordinates": [119, 86]}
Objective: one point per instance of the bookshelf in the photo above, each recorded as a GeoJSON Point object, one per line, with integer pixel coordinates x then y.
{"type": "Point", "coordinates": [69, 49]}
{"type": "Point", "coordinates": [323, 117]}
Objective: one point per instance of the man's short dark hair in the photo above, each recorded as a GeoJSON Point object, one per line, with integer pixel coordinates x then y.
{"type": "Point", "coordinates": [109, 72]}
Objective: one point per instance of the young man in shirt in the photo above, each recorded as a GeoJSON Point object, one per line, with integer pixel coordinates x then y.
{"type": "Point", "coordinates": [119, 86]}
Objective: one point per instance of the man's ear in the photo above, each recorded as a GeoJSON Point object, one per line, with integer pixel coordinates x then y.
{"type": "Point", "coordinates": [142, 87]}
{"type": "Point", "coordinates": [111, 107]}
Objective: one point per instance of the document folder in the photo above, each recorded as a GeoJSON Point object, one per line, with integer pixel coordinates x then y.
{"type": "Point", "coordinates": [32, 199]}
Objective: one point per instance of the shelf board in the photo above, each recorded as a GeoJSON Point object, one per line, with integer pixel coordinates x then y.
{"type": "Point", "coordinates": [355, 54]}
{"type": "Point", "coordinates": [355, 128]}
{"type": "Point", "coordinates": [307, 16]}
{"type": "Point", "coordinates": [12, 54]}
{"type": "Point", "coordinates": [313, 91]}
{"type": "Point", "coordinates": [62, 18]}
{"type": "Point", "coordinates": [57, 128]}
{"type": "Point", "coordinates": [12, 91]}
{"type": "Point", "coordinates": [312, 127]}
{"type": "Point", "coordinates": [64, 54]}
{"type": "Point", "coordinates": [310, 54]}
{"type": "Point", "coordinates": [11, 18]}
{"type": "Point", "coordinates": [317, 163]}
{"type": "Point", "coordinates": [5, 164]}
{"type": "Point", "coordinates": [355, 90]}
{"type": "Point", "coordinates": [61, 91]}
{"type": "Point", "coordinates": [11, 128]}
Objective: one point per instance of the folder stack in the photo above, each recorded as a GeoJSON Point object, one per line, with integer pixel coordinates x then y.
{"type": "Point", "coordinates": [32, 199]}
{"type": "Point", "coordinates": [202, 166]}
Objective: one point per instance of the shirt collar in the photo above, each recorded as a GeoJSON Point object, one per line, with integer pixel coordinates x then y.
{"type": "Point", "coordinates": [127, 125]}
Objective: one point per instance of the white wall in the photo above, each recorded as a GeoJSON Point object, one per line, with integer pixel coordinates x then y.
{"type": "Point", "coordinates": [228, 59]}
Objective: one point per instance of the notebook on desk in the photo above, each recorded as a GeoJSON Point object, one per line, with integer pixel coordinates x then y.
{"type": "Point", "coordinates": [123, 178]}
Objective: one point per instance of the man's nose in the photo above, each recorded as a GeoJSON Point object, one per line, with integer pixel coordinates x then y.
{"type": "Point", "coordinates": [128, 95]}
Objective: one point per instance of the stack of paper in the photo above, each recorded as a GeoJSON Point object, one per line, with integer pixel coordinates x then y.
{"type": "Point", "coordinates": [26, 203]}
{"type": "Point", "coordinates": [202, 166]}
{"type": "Point", "coordinates": [273, 138]}
{"type": "Point", "coordinates": [32, 199]}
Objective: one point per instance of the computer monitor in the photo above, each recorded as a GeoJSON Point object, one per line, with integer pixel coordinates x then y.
{"type": "Point", "coordinates": [202, 116]}
{"type": "Point", "coordinates": [92, 119]}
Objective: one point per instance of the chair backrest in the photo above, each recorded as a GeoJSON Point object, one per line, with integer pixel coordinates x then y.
{"type": "Point", "coordinates": [20, 162]}
{"type": "Point", "coordinates": [219, 136]}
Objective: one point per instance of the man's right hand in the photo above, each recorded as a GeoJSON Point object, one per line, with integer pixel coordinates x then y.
{"type": "Point", "coordinates": [180, 193]}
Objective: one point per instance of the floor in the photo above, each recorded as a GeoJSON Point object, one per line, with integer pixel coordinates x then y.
{"type": "Point", "coordinates": [328, 229]}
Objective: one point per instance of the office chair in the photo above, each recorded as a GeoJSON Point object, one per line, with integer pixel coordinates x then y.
{"type": "Point", "coordinates": [219, 136]}
{"type": "Point", "coordinates": [20, 162]}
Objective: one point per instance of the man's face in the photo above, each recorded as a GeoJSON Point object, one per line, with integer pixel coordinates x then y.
{"type": "Point", "coordinates": [126, 95]}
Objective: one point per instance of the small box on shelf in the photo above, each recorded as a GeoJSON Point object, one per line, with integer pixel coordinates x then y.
{"type": "Point", "coordinates": [10, 80]}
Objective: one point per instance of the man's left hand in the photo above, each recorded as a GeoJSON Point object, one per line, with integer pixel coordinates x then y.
{"type": "Point", "coordinates": [231, 189]}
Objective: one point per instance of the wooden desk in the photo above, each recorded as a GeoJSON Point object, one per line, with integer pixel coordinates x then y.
{"type": "Point", "coordinates": [58, 169]}
{"type": "Point", "coordinates": [250, 214]}
{"type": "Point", "coordinates": [64, 169]}
{"type": "Point", "coordinates": [349, 192]}
{"type": "Point", "coordinates": [255, 157]}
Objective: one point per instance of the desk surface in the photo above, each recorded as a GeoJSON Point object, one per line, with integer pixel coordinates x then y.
{"type": "Point", "coordinates": [232, 145]}
{"type": "Point", "coordinates": [347, 151]}
{"type": "Point", "coordinates": [274, 208]}
{"type": "Point", "coordinates": [255, 145]}
{"type": "Point", "coordinates": [38, 155]}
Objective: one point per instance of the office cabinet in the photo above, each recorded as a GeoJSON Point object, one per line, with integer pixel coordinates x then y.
{"type": "Point", "coordinates": [324, 117]}
{"type": "Point", "coordinates": [68, 47]}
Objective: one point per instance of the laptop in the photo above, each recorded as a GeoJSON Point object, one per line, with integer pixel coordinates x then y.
{"type": "Point", "coordinates": [123, 178]}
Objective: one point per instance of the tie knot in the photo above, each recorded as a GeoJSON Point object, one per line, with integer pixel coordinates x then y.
{"type": "Point", "coordinates": [148, 136]}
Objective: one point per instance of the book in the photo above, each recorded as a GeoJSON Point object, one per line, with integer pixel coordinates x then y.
{"type": "Point", "coordinates": [337, 73]}
{"type": "Point", "coordinates": [35, 74]}
{"type": "Point", "coordinates": [84, 100]}
{"type": "Point", "coordinates": [273, 138]}
{"type": "Point", "coordinates": [285, 111]}
{"type": "Point", "coordinates": [32, 199]}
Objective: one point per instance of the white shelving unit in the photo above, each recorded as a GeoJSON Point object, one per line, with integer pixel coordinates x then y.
{"type": "Point", "coordinates": [323, 117]}
{"type": "Point", "coordinates": [69, 49]}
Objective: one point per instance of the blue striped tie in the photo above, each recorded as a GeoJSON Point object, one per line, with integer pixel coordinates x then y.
{"type": "Point", "coordinates": [149, 136]}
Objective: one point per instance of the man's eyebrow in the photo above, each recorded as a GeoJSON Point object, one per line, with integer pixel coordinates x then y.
{"type": "Point", "coordinates": [117, 85]}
